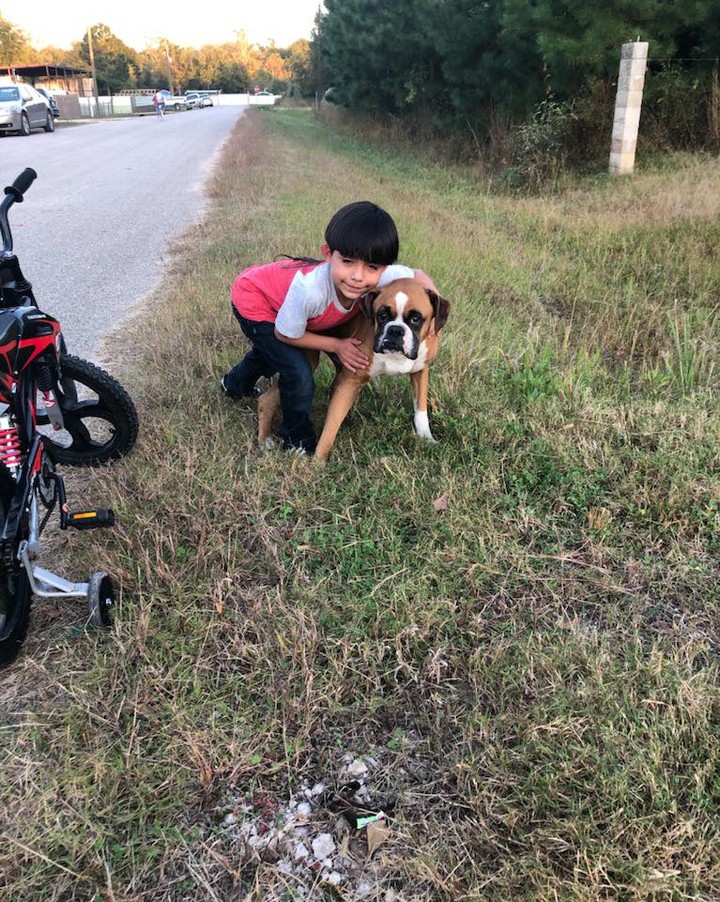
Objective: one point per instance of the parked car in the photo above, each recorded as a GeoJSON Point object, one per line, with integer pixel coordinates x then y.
{"type": "Point", "coordinates": [263, 98]}
{"type": "Point", "coordinates": [22, 109]}
{"type": "Point", "coordinates": [52, 103]}
{"type": "Point", "coordinates": [197, 99]}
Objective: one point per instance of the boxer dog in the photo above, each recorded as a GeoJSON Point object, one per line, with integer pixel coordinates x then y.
{"type": "Point", "coordinates": [399, 328]}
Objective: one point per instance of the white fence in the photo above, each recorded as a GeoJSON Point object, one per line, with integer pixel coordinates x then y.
{"type": "Point", "coordinates": [136, 104]}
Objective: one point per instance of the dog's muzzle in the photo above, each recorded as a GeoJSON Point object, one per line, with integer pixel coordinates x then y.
{"type": "Point", "coordinates": [394, 340]}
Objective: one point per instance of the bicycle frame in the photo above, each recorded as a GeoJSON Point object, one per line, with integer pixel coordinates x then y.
{"type": "Point", "coordinates": [42, 385]}
{"type": "Point", "coordinates": [29, 355]}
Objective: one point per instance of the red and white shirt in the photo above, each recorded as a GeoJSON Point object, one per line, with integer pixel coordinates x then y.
{"type": "Point", "coordinates": [298, 297]}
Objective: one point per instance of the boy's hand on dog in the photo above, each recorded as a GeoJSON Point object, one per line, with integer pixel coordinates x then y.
{"type": "Point", "coordinates": [350, 355]}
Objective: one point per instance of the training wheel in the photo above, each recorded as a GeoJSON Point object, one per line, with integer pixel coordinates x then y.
{"type": "Point", "coordinates": [100, 598]}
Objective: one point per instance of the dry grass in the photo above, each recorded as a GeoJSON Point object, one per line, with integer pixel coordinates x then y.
{"type": "Point", "coordinates": [687, 192]}
{"type": "Point", "coordinates": [517, 629]}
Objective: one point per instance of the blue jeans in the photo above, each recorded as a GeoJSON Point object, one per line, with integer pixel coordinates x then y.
{"type": "Point", "coordinates": [267, 356]}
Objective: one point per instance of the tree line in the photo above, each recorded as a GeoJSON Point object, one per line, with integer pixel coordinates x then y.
{"type": "Point", "coordinates": [543, 71]}
{"type": "Point", "coordinates": [234, 67]}
{"type": "Point", "coordinates": [546, 67]}
{"type": "Point", "coordinates": [458, 58]}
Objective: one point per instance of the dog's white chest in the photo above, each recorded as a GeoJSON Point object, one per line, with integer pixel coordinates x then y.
{"type": "Point", "coordinates": [396, 363]}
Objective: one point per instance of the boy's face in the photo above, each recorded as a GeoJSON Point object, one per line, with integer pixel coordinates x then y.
{"type": "Point", "coordinates": [351, 277]}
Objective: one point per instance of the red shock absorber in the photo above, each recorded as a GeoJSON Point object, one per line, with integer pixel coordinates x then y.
{"type": "Point", "coordinates": [10, 447]}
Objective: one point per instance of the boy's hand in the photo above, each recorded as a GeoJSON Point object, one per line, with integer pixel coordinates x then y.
{"type": "Point", "coordinates": [350, 354]}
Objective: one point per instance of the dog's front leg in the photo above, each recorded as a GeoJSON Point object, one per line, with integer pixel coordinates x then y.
{"type": "Point", "coordinates": [421, 422]}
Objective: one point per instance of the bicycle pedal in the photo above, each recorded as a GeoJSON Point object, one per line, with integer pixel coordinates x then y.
{"type": "Point", "coordinates": [97, 519]}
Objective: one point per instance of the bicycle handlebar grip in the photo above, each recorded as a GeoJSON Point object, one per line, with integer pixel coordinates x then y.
{"type": "Point", "coordinates": [22, 183]}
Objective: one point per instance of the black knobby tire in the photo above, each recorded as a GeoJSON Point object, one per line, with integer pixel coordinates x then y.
{"type": "Point", "coordinates": [15, 598]}
{"type": "Point", "coordinates": [101, 422]}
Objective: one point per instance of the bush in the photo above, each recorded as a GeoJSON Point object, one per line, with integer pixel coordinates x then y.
{"type": "Point", "coordinates": [540, 146]}
{"type": "Point", "coordinates": [678, 108]}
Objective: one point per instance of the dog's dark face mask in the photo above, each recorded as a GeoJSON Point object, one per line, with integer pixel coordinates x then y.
{"type": "Point", "coordinates": [396, 336]}
{"type": "Point", "coordinates": [401, 334]}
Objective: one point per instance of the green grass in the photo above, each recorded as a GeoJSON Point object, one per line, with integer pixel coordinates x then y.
{"type": "Point", "coordinates": [519, 623]}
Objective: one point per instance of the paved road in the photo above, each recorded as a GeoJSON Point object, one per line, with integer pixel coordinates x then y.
{"type": "Point", "coordinates": [93, 229]}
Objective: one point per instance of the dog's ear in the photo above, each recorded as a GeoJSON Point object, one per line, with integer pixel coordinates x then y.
{"type": "Point", "coordinates": [441, 308]}
{"type": "Point", "coordinates": [366, 302]}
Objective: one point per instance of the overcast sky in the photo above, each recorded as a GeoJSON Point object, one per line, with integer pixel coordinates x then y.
{"type": "Point", "coordinates": [139, 24]}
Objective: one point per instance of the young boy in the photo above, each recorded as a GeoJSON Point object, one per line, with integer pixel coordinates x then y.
{"type": "Point", "coordinates": [286, 306]}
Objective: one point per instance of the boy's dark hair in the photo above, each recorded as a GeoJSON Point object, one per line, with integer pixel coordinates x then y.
{"type": "Point", "coordinates": [364, 231]}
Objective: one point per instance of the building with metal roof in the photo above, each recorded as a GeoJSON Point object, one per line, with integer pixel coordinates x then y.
{"type": "Point", "coordinates": [66, 79]}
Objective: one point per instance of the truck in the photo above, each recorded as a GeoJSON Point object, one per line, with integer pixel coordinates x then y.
{"type": "Point", "coordinates": [179, 102]}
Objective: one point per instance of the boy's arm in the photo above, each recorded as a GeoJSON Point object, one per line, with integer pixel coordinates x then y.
{"type": "Point", "coordinates": [293, 317]}
{"type": "Point", "coordinates": [346, 348]}
{"type": "Point", "coordinates": [425, 280]}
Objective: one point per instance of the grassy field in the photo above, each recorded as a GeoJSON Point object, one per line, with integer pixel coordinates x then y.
{"type": "Point", "coordinates": [508, 639]}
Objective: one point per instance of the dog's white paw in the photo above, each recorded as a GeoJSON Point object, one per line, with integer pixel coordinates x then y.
{"type": "Point", "coordinates": [422, 427]}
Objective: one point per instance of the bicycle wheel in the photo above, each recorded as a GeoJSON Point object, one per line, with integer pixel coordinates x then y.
{"type": "Point", "coordinates": [100, 598]}
{"type": "Point", "coordinates": [101, 422]}
{"type": "Point", "coordinates": [15, 600]}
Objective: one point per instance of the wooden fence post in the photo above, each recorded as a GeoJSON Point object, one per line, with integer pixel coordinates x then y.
{"type": "Point", "coordinates": [633, 62]}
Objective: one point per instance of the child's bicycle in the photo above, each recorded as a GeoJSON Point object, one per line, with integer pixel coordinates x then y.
{"type": "Point", "coordinates": [54, 408]}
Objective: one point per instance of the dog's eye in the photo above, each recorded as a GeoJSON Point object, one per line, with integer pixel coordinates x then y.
{"type": "Point", "coordinates": [415, 318]}
{"type": "Point", "coordinates": [383, 315]}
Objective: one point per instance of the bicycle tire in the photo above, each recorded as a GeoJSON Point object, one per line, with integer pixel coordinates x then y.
{"type": "Point", "coordinates": [81, 443]}
{"type": "Point", "coordinates": [100, 598]}
{"type": "Point", "coordinates": [15, 601]}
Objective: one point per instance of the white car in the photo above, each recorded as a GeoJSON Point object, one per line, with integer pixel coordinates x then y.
{"type": "Point", "coordinates": [22, 108]}
{"type": "Point", "coordinates": [263, 98]}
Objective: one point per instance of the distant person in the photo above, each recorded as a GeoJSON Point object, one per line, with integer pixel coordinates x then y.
{"type": "Point", "coordinates": [159, 104]}
{"type": "Point", "coordinates": [284, 307]}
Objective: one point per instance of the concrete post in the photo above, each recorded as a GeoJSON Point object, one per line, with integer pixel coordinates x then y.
{"type": "Point", "coordinates": [633, 62]}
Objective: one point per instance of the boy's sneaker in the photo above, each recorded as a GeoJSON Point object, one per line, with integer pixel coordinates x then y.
{"type": "Point", "coordinates": [255, 393]}
{"type": "Point", "coordinates": [304, 449]}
